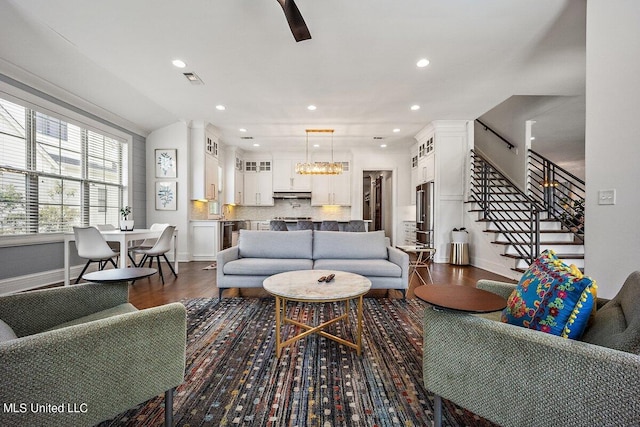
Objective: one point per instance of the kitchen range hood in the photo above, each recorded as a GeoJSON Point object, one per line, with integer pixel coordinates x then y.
{"type": "Point", "coordinates": [291, 195]}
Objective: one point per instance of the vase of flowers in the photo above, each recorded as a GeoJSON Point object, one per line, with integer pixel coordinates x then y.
{"type": "Point", "coordinates": [126, 224]}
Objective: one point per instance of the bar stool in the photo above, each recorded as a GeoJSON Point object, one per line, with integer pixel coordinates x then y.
{"type": "Point", "coordinates": [355, 225]}
{"type": "Point", "coordinates": [277, 225]}
{"type": "Point", "coordinates": [305, 225]}
{"type": "Point", "coordinates": [329, 226]}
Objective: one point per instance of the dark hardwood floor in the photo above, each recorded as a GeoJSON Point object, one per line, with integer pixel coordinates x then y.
{"type": "Point", "coordinates": [195, 282]}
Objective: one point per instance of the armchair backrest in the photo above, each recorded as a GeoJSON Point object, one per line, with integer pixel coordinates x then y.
{"type": "Point", "coordinates": [617, 324]}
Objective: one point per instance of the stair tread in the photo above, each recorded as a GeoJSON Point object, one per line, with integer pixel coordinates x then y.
{"type": "Point", "coordinates": [542, 244]}
{"type": "Point", "coordinates": [561, 256]}
{"type": "Point", "coordinates": [500, 210]}
{"type": "Point", "coordinates": [515, 220]}
{"type": "Point", "coordinates": [527, 231]}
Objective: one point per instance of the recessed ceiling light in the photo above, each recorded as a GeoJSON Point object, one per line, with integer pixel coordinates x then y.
{"type": "Point", "coordinates": [383, 145]}
{"type": "Point", "coordinates": [178, 63]}
{"type": "Point", "coordinates": [533, 137]}
{"type": "Point", "coordinates": [316, 145]}
{"type": "Point", "coordinates": [415, 107]}
{"type": "Point", "coordinates": [396, 130]}
{"type": "Point", "coordinates": [311, 108]}
{"type": "Point", "coordinates": [220, 107]}
{"type": "Point", "coordinates": [422, 63]}
{"type": "Point", "coordinates": [256, 145]}
{"type": "Point", "coordinates": [242, 130]}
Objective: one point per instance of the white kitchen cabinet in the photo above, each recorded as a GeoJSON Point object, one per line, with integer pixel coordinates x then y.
{"type": "Point", "coordinates": [415, 173]}
{"type": "Point", "coordinates": [285, 177]}
{"type": "Point", "coordinates": [234, 176]}
{"type": "Point", "coordinates": [204, 163]}
{"type": "Point", "coordinates": [211, 177]}
{"type": "Point", "coordinates": [258, 183]}
{"type": "Point", "coordinates": [238, 195]}
{"type": "Point", "coordinates": [205, 240]}
{"type": "Point", "coordinates": [425, 170]}
{"type": "Point", "coordinates": [409, 232]}
{"type": "Point", "coordinates": [332, 189]}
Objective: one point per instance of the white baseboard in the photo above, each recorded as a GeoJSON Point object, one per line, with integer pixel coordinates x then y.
{"type": "Point", "coordinates": [496, 268]}
{"type": "Point", "coordinates": [37, 280]}
{"type": "Point", "coordinates": [51, 277]}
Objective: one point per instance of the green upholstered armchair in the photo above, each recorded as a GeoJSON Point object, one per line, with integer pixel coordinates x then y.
{"type": "Point", "coordinates": [515, 376]}
{"type": "Point", "coordinates": [81, 354]}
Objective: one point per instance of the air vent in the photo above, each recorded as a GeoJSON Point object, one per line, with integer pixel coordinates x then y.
{"type": "Point", "coordinates": [378, 137]}
{"type": "Point", "coordinates": [246, 137]}
{"type": "Point", "coordinates": [193, 78]}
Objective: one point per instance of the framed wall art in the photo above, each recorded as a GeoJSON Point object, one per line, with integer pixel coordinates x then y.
{"type": "Point", "coordinates": [166, 163]}
{"type": "Point", "coordinates": [166, 196]}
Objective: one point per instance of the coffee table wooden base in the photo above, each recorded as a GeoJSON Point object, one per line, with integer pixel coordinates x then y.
{"type": "Point", "coordinates": [281, 318]}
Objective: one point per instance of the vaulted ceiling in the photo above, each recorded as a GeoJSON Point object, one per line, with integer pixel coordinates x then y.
{"type": "Point", "coordinates": [359, 69]}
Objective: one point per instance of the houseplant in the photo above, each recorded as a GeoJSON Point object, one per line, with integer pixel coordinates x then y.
{"type": "Point", "coordinates": [126, 224]}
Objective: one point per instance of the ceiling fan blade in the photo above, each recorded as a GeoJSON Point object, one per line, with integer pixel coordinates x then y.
{"type": "Point", "coordinates": [296, 21]}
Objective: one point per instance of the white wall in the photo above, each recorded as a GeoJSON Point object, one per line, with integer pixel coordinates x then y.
{"type": "Point", "coordinates": [173, 136]}
{"type": "Point", "coordinates": [612, 233]}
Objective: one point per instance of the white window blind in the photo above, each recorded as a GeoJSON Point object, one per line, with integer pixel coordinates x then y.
{"type": "Point", "coordinates": [54, 174]}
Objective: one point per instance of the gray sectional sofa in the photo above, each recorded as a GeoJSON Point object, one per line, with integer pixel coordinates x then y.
{"type": "Point", "coordinates": [260, 254]}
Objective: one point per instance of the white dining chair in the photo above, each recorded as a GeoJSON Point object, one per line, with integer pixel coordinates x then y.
{"type": "Point", "coordinates": [115, 246]}
{"type": "Point", "coordinates": [92, 246]}
{"type": "Point", "coordinates": [146, 243]}
{"type": "Point", "coordinates": [160, 249]}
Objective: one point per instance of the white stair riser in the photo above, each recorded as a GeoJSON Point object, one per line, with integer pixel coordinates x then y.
{"type": "Point", "coordinates": [567, 249]}
{"type": "Point", "coordinates": [544, 237]}
{"type": "Point", "coordinates": [544, 225]}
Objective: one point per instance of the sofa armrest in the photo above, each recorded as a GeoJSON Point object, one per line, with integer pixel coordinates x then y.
{"type": "Point", "coordinates": [36, 311]}
{"type": "Point", "coordinates": [520, 377]}
{"type": "Point", "coordinates": [503, 289]}
{"type": "Point", "coordinates": [401, 259]}
{"type": "Point", "coordinates": [109, 365]}
{"type": "Point", "coordinates": [223, 257]}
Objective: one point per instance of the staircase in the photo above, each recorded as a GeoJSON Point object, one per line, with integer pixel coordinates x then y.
{"type": "Point", "coordinates": [523, 225]}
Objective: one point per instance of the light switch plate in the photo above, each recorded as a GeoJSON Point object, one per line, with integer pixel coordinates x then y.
{"type": "Point", "coordinates": [607, 197]}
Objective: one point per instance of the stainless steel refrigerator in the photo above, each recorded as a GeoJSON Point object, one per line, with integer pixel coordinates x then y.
{"type": "Point", "coordinates": [424, 214]}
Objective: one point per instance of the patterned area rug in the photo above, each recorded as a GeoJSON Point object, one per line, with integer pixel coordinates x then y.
{"type": "Point", "coordinates": [234, 378]}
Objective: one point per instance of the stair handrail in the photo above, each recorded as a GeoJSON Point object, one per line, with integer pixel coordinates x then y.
{"type": "Point", "coordinates": [560, 192]}
{"type": "Point", "coordinates": [487, 128]}
{"type": "Point", "coordinates": [486, 201]}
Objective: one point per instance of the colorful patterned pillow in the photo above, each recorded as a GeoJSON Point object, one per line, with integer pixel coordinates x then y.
{"type": "Point", "coordinates": [551, 298]}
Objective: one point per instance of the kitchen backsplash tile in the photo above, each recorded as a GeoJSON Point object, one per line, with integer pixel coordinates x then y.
{"type": "Point", "coordinates": [288, 208]}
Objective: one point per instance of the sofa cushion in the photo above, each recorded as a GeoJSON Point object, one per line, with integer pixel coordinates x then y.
{"type": "Point", "coordinates": [6, 333]}
{"type": "Point", "coordinates": [549, 298]}
{"type": "Point", "coordinates": [364, 267]}
{"type": "Point", "coordinates": [336, 245]}
{"type": "Point", "coordinates": [265, 266]}
{"type": "Point", "coordinates": [617, 324]}
{"type": "Point", "coordinates": [104, 314]}
{"type": "Point", "coordinates": [275, 244]}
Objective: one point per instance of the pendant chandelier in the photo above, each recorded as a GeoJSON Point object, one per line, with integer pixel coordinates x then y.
{"type": "Point", "coordinates": [319, 168]}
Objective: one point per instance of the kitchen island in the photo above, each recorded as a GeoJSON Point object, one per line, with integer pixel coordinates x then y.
{"type": "Point", "coordinates": [292, 222]}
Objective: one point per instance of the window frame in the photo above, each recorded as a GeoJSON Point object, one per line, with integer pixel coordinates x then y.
{"type": "Point", "coordinates": [43, 104]}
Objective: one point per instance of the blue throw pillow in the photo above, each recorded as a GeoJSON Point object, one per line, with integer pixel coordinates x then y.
{"type": "Point", "coordinates": [551, 298]}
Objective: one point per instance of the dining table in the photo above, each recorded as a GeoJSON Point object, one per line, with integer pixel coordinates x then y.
{"type": "Point", "coordinates": [125, 238]}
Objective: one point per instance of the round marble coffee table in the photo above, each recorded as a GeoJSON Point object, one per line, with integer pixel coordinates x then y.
{"type": "Point", "coordinates": [303, 286]}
